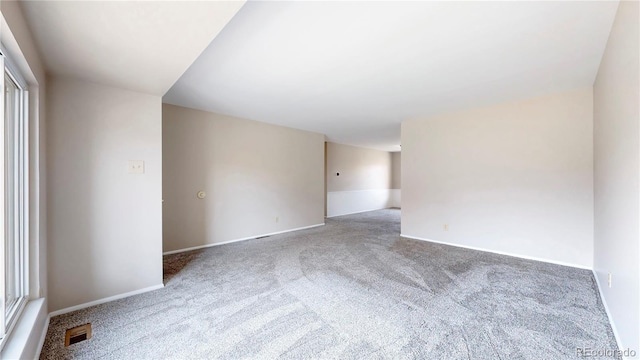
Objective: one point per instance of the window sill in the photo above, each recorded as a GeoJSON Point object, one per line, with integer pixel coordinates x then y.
{"type": "Point", "coordinates": [24, 340]}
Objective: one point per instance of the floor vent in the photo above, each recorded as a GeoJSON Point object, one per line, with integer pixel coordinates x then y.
{"type": "Point", "coordinates": [77, 334]}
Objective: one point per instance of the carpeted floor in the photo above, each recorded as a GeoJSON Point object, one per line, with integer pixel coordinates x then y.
{"type": "Point", "coordinates": [352, 289]}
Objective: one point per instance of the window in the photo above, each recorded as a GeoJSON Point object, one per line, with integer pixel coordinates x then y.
{"type": "Point", "coordinates": [14, 196]}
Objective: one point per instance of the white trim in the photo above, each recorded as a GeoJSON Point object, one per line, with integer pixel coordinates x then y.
{"type": "Point", "coordinates": [3, 313]}
{"type": "Point", "coordinates": [23, 340]}
{"type": "Point", "coordinates": [236, 240]}
{"type": "Point", "coordinates": [15, 72]}
{"type": "Point", "coordinates": [16, 316]}
{"type": "Point", "coordinates": [104, 300]}
{"type": "Point", "coordinates": [43, 336]}
{"type": "Point", "coordinates": [358, 212]}
{"type": "Point", "coordinates": [606, 309]}
{"type": "Point", "coordinates": [499, 252]}
{"type": "Point", "coordinates": [20, 205]}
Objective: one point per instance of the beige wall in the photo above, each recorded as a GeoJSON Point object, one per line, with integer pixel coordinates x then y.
{"type": "Point", "coordinates": [20, 46]}
{"type": "Point", "coordinates": [359, 168]}
{"type": "Point", "coordinates": [364, 182]}
{"type": "Point", "coordinates": [105, 224]}
{"type": "Point", "coordinates": [617, 175]}
{"type": "Point", "coordinates": [252, 173]}
{"type": "Point", "coordinates": [514, 178]}
{"type": "Point", "coordinates": [396, 170]}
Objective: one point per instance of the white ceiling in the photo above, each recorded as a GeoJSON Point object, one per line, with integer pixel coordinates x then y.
{"type": "Point", "coordinates": [139, 45]}
{"type": "Point", "coordinates": [355, 70]}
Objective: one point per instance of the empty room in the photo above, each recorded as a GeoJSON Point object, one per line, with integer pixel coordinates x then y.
{"type": "Point", "coordinates": [320, 180]}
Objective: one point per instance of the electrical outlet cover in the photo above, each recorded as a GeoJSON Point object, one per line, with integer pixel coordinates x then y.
{"type": "Point", "coordinates": [136, 167]}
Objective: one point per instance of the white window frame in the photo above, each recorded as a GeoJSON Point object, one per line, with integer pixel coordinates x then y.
{"type": "Point", "coordinates": [21, 215]}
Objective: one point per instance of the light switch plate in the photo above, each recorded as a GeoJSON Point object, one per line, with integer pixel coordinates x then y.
{"type": "Point", "coordinates": [136, 167]}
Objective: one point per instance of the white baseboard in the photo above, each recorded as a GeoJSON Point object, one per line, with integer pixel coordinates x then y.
{"type": "Point", "coordinates": [104, 300]}
{"type": "Point", "coordinates": [498, 252]}
{"type": "Point", "coordinates": [236, 240]}
{"type": "Point", "coordinates": [606, 309]}
{"type": "Point", "coordinates": [43, 336]}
